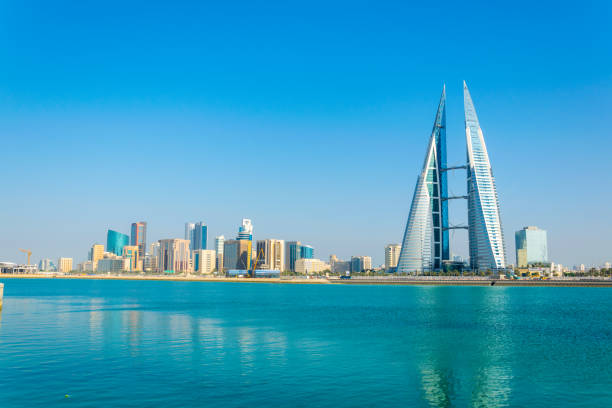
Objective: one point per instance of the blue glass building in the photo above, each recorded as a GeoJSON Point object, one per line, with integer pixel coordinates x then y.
{"type": "Point", "coordinates": [306, 251]}
{"type": "Point", "coordinates": [200, 236]}
{"type": "Point", "coordinates": [115, 241]}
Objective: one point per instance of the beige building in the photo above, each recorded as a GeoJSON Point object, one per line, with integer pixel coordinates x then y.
{"type": "Point", "coordinates": [392, 252]}
{"type": "Point", "coordinates": [237, 254]}
{"type": "Point", "coordinates": [96, 253]}
{"type": "Point", "coordinates": [174, 256]}
{"type": "Point", "coordinates": [64, 265]}
{"type": "Point", "coordinates": [204, 261]}
{"type": "Point", "coordinates": [273, 254]}
{"type": "Point", "coordinates": [131, 252]}
{"type": "Point", "coordinates": [306, 266]}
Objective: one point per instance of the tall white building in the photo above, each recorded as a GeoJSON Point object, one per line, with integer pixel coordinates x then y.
{"type": "Point", "coordinates": [392, 252]}
{"type": "Point", "coordinates": [219, 241]}
{"type": "Point", "coordinates": [273, 254]}
{"type": "Point", "coordinates": [204, 261]}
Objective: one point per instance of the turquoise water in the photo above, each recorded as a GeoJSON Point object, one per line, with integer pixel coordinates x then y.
{"type": "Point", "coordinates": [181, 344]}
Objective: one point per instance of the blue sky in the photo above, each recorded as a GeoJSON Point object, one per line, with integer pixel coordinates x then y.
{"type": "Point", "coordinates": [310, 118]}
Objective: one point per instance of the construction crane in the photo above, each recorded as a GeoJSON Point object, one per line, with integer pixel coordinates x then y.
{"type": "Point", "coordinates": [255, 262]}
{"type": "Point", "coordinates": [27, 251]}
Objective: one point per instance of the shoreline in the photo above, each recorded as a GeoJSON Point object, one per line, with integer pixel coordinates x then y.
{"type": "Point", "coordinates": [336, 281]}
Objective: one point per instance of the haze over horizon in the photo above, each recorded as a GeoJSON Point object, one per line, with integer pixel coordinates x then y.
{"type": "Point", "coordinates": [311, 120]}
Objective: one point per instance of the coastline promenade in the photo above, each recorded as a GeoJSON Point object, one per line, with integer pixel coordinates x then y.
{"type": "Point", "coordinates": [355, 280]}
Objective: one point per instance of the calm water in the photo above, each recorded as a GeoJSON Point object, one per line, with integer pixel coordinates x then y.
{"type": "Point", "coordinates": [175, 344]}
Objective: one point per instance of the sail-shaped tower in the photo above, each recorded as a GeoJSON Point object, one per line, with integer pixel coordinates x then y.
{"type": "Point", "coordinates": [486, 240]}
{"type": "Point", "coordinates": [425, 242]}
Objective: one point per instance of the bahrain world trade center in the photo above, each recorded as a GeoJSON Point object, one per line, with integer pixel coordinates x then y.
{"type": "Point", "coordinates": [425, 246]}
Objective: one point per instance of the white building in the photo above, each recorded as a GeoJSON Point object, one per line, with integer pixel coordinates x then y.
{"type": "Point", "coordinates": [306, 266]}
{"type": "Point", "coordinates": [204, 261]}
{"type": "Point", "coordinates": [219, 241]}
{"type": "Point", "coordinates": [392, 252]}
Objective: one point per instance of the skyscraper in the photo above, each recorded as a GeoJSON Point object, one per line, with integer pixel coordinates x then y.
{"type": "Point", "coordinates": [95, 254]}
{"type": "Point", "coordinates": [115, 241]}
{"type": "Point", "coordinates": [425, 242]}
{"type": "Point", "coordinates": [174, 256]}
{"type": "Point", "coordinates": [219, 247]}
{"type": "Point", "coordinates": [292, 254]}
{"type": "Point", "coordinates": [531, 246]}
{"type": "Point", "coordinates": [306, 251]}
{"type": "Point", "coordinates": [139, 237]}
{"type": "Point", "coordinates": [245, 231]}
{"type": "Point", "coordinates": [486, 240]}
{"type": "Point", "coordinates": [237, 254]}
{"type": "Point", "coordinates": [189, 232]}
{"type": "Point", "coordinates": [200, 236]}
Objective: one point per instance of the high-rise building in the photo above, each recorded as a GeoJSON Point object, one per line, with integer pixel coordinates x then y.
{"type": "Point", "coordinates": [531, 246]}
{"type": "Point", "coordinates": [425, 245]}
{"type": "Point", "coordinates": [306, 251]}
{"type": "Point", "coordinates": [115, 241]}
{"type": "Point", "coordinates": [204, 261]}
{"type": "Point", "coordinates": [95, 254]}
{"type": "Point", "coordinates": [189, 232]}
{"type": "Point", "coordinates": [46, 265]}
{"type": "Point", "coordinates": [245, 231]}
{"type": "Point", "coordinates": [64, 265]}
{"type": "Point", "coordinates": [392, 252]}
{"type": "Point", "coordinates": [273, 254]}
{"type": "Point", "coordinates": [139, 237]}
{"type": "Point", "coordinates": [131, 252]}
{"type": "Point", "coordinates": [219, 243]}
{"type": "Point", "coordinates": [174, 256]}
{"type": "Point", "coordinates": [200, 236]}
{"type": "Point", "coordinates": [486, 239]}
{"type": "Point", "coordinates": [237, 254]}
{"type": "Point", "coordinates": [292, 254]}
{"type": "Point", "coordinates": [425, 242]}
{"type": "Point", "coordinates": [361, 263]}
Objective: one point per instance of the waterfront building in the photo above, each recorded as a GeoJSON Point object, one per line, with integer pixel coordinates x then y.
{"type": "Point", "coordinates": [64, 265]}
{"type": "Point", "coordinates": [237, 254]}
{"type": "Point", "coordinates": [200, 236]}
{"type": "Point", "coordinates": [46, 265]}
{"type": "Point", "coordinates": [174, 256]}
{"type": "Point", "coordinates": [219, 244]}
{"type": "Point", "coordinates": [139, 237]}
{"type": "Point", "coordinates": [338, 266]}
{"type": "Point", "coordinates": [189, 232]}
{"type": "Point", "coordinates": [361, 263]}
{"type": "Point", "coordinates": [95, 254]}
{"type": "Point", "coordinates": [115, 264]}
{"type": "Point", "coordinates": [306, 266]}
{"type": "Point", "coordinates": [115, 241]}
{"type": "Point", "coordinates": [204, 261]}
{"type": "Point", "coordinates": [245, 231]}
{"type": "Point", "coordinates": [486, 238]}
{"type": "Point", "coordinates": [86, 266]}
{"type": "Point", "coordinates": [425, 243]}
{"type": "Point", "coordinates": [392, 252]}
{"type": "Point", "coordinates": [306, 251]}
{"type": "Point", "coordinates": [273, 254]}
{"type": "Point", "coordinates": [131, 252]}
{"type": "Point", "coordinates": [531, 246]}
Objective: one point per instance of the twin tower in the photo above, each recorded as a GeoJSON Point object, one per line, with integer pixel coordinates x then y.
{"type": "Point", "coordinates": [425, 246]}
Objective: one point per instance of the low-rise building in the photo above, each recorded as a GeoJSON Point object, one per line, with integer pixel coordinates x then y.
{"type": "Point", "coordinates": [307, 266]}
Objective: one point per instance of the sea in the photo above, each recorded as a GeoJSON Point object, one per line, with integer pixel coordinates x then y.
{"type": "Point", "coordinates": [114, 343]}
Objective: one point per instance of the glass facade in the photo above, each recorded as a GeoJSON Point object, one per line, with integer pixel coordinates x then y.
{"type": "Point", "coordinates": [425, 244]}
{"type": "Point", "coordinates": [115, 241]}
{"type": "Point", "coordinates": [531, 246]}
{"type": "Point", "coordinates": [139, 237]}
{"type": "Point", "coordinates": [306, 251]}
{"type": "Point", "coordinates": [486, 241]}
{"type": "Point", "coordinates": [200, 236]}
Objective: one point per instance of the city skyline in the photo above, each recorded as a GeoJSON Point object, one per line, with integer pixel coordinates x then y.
{"type": "Point", "coordinates": [337, 109]}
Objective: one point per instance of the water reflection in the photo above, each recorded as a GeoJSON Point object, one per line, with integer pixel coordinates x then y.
{"type": "Point", "coordinates": [473, 349]}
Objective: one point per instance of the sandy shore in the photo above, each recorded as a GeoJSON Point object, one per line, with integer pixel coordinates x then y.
{"type": "Point", "coordinates": [358, 281]}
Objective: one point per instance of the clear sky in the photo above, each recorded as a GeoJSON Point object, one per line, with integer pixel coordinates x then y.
{"type": "Point", "coordinates": [310, 118]}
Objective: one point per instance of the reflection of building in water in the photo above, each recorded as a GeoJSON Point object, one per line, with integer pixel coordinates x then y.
{"type": "Point", "coordinates": [482, 362]}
